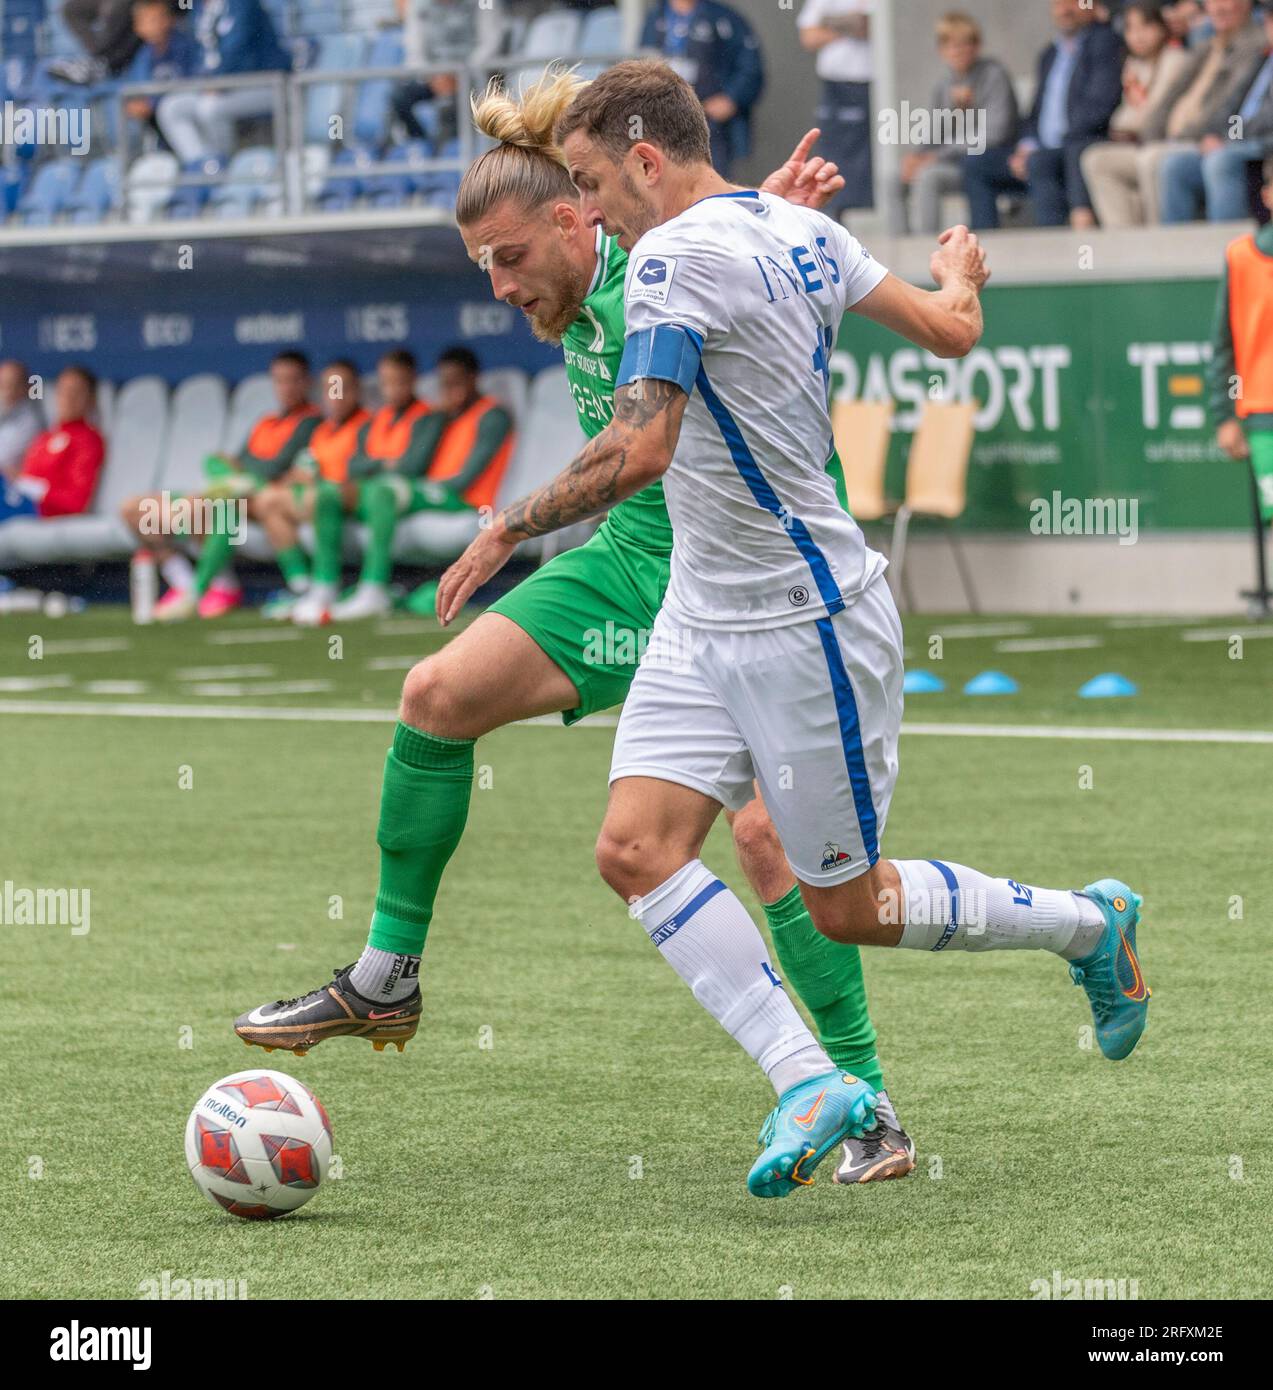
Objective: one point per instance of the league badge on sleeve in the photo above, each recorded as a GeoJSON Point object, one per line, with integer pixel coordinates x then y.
{"type": "Point", "coordinates": [652, 279]}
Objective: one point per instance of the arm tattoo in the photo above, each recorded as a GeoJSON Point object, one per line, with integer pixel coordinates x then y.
{"type": "Point", "coordinates": [609, 468]}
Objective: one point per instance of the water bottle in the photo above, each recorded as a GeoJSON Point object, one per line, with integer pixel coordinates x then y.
{"type": "Point", "coordinates": [143, 586]}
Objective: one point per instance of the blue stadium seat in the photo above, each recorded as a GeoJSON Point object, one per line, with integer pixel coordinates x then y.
{"type": "Point", "coordinates": [20, 22]}
{"type": "Point", "coordinates": [98, 194]}
{"type": "Point", "coordinates": [443, 186]}
{"type": "Point", "coordinates": [602, 32]}
{"type": "Point", "coordinates": [49, 192]}
{"type": "Point", "coordinates": [396, 189]}
{"type": "Point", "coordinates": [249, 183]}
{"type": "Point", "coordinates": [189, 200]}
{"type": "Point", "coordinates": [325, 99]}
{"type": "Point", "coordinates": [371, 105]}
{"type": "Point", "coordinates": [149, 185]}
{"type": "Point", "coordinates": [315, 17]}
{"type": "Point", "coordinates": [343, 185]}
{"type": "Point", "coordinates": [554, 34]}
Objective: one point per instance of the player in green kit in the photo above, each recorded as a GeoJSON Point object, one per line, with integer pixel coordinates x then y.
{"type": "Point", "coordinates": [570, 633]}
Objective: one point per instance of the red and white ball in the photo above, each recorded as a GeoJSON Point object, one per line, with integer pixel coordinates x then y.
{"type": "Point", "coordinates": [258, 1144]}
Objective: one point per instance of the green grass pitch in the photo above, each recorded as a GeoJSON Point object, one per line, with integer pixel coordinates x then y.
{"type": "Point", "coordinates": [568, 1122]}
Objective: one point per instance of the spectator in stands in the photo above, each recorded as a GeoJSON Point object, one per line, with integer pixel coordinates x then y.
{"type": "Point", "coordinates": [266, 461]}
{"type": "Point", "coordinates": [20, 417]}
{"type": "Point", "coordinates": [1212, 176]}
{"type": "Point", "coordinates": [1079, 86]}
{"type": "Point", "coordinates": [443, 31]}
{"type": "Point", "coordinates": [60, 468]}
{"type": "Point", "coordinates": [839, 32]}
{"type": "Point", "coordinates": [1242, 353]}
{"type": "Point", "coordinates": [715, 50]}
{"type": "Point", "coordinates": [167, 52]}
{"type": "Point", "coordinates": [1187, 22]}
{"type": "Point", "coordinates": [1150, 73]}
{"type": "Point", "coordinates": [106, 34]}
{"type": "Point", "coordinates": [237, 37]}
{"type": "Point", "coordinates": [324, 460]}
{"type": "Point", "coordinates": [971, 84]}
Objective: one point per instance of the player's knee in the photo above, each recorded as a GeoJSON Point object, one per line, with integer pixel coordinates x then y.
{"type": "Point", "coordinates": [760, 851]}
{"type": "Point", "coordinates": [622, 862]}
{"type": "Point", "coordinates": [428, 702]}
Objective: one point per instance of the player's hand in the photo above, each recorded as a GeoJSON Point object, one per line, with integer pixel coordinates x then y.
{"type": "Point", "coordinates": [808, 183]}
{"type": "Point", "coordinates": [487, 555]}
{"type": "Point", "coordinates": [1231, 437]}
{"type": "Point", "coordinates": [959, 257]}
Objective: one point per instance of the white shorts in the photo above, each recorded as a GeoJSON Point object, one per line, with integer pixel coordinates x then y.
{"type": "Point", "coordinates": [810, 711]}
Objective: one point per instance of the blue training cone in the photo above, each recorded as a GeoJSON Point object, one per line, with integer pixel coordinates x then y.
{"type": "Point", "coordinates": [1106, 686]}
{"type": "Point", "coordinates": [922, 683]}
{"type": "Point", "coordinates": [991, 683]}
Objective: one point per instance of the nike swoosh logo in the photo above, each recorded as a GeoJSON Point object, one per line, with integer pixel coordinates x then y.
{"type": "Point", "coordinates": [259, 1016]}
{"type": "Point", "coordinates": [1138, 990]}
{"type": "Point", "coordinates": [392, 1013]}
{"type": "Point", "coordinates": [807, 1120]}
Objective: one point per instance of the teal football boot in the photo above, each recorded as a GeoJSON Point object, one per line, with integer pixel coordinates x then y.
{"type": "Point", "coordinates": [807, 1123]}
{"type": "Point", "coordinates": [1111, 974]}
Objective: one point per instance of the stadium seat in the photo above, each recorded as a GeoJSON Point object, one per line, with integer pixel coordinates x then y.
{"type": "Point", "coordinates": [368, 15]}
{"type": "Point", "coordinates": [197, 429]}
{"type": "Point", "coordinates": [315, 161]}
{"type": "Point", "coordinates": [396, 189]}
{"type": "Point", "coordinates": [554, 34]}
{"type": "Point", "coordinates": [371, 104]}
{"type": "Point", "coordinates": [149, 185]}
{"type": "Point", "coordinates": [19, 28]}
{"type": "Point", "coordinates": [138, 423]}
{"type": "Point", "coordinates": [249, 183]}
{"type": "Point", "coordinates": [50, 190]}
{"type": "Point", "coordinates": [104, 414]}
{"type": "Point", "coordinates": [323, 100]}
{"type": "Point", "coordinates": [97, 197]}
{"type": "Point", "coordinates": [509, 386]}
{"type": "Point", "coordinates": [601, 32]}
{"type": "Point", "coordinates": [314, 17]}
{"type": "Point", "coordinates": [189, 200]}
{"type": "Point", "coordinates": [249, 400]}
{"type": "Point", "coordinates": [862, 431]}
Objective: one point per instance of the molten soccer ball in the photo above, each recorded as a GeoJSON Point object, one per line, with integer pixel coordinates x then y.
{"type": "Point", "coordinates": [258, 1144]}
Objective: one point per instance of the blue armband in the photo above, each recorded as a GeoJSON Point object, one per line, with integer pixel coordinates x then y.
{"type": "Point", "coordinates": [667, 352]}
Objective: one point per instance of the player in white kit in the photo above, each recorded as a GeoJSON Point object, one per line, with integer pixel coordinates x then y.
{"type": "Point", "coordinates": [776, 660]}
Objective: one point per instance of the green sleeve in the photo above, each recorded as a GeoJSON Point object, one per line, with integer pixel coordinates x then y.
{"type": "Point", "coordinates": [422, 445]}
{"type": "Point", "coordinates": [1222, 367]}
{"type": "Point", "coordinates": [492, 430]}
{"type": "Point", "coordinates": [360, 464]}
{"type": "Point", "coordinates": [278, 465]}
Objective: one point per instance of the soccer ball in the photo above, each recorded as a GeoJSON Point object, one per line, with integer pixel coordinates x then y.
{"type": "Point", "coordinates": [258, 1144]}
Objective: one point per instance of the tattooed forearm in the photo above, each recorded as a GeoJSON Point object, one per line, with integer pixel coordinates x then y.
{"type": "Point", "coordinates": [632, 450]}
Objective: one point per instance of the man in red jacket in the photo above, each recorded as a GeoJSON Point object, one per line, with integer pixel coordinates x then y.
{"type": "Point", "coordinates": [59, 471]}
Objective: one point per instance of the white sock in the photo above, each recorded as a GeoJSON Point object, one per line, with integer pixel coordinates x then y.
{"type": "Point", "coordinates": [299, 584]}
{"type": "Point", "coordinates": [385, 976]}
{"type": "Point", "coordinates": [949, 907]}
{"type": "Point", "coordinates": [226, 578]}
{"type": "Point", "coordinates": [706, 935]}
{"type": "Point", "coordinates": [177, 571]}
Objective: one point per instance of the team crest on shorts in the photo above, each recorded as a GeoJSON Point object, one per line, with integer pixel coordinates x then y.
{"type": "Point", "coordinates": [833, 856]}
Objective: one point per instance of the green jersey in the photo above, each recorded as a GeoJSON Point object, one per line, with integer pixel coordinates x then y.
{"type": "Point", "coordinates": [593, 347]}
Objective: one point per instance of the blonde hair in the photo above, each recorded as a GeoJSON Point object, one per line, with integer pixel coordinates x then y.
{"type": "Point", "coordinates": [957, 25]}
{"type": "Point", "coordinates": [527, 166]}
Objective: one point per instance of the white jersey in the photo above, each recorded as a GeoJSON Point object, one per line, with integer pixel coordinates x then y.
{"type": "Point", "coordinates": [738, 299]}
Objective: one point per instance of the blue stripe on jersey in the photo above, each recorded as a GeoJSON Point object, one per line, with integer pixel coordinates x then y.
{"type": "Point", "coordinates": [846, 708]}
{"type": "Point", "coordinates": [828, 589]}
{"type": "Point", "coordinates": [667, 352]}
{"type": "Point", "coordinates": [952, 884]}
{"type": "Point", "coordinates": [668, 929]}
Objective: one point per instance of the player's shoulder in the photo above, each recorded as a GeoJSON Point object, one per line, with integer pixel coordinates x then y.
{"type": "Point", "coordinates": [689, 246]}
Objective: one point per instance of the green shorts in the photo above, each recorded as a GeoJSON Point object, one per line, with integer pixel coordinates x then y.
{"type": "Point", "coordinates": [410, 494]}
{"type": "Point", "coordinates": [591, 611]}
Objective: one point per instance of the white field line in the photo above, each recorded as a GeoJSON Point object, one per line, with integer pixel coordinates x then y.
{"type": "Point", "coordinates": [608, 721]}
{"type": "Point", "coordinates": [17, 683]}
{"type": "Point", "coordinates": [405, 627]}
{"type": "Point", "coordinates": [265, 634]}
{"type": "Point", "coordinates": [1214, 634]}
{"type": "Point", "coordinates": [218, 673]}
{"type": "Point", "coordinates": [1048, 644]}
{"type": "Point", "coordinates": [391, 663]}
{"type": "Point", "coordinates": [115, 687]}
{"type": "Point", "coordinates": [74, 646]}
{"type": "Point", "coordinates": [232, 689]}
{"type": "Point", "coordinates": [984, 630]}
{"type": "Point", "coordinates": [1129, 624]}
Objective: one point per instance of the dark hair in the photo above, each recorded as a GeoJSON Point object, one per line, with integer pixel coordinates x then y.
{"type": "Point", "coordinates": [342, 364]}
{"type": "Point", "coordinates": [1149, 10]}
{"type": "Point", "coordinates": [461, 357]}
{"type": "Point", "coordinates": [1267, 170]}
{"type": "Point", "coordinates": [85, 374]}
{"type": "Point", "coordinates": [147, 4]}
{"type": "Point", "coordinates": [291, 355]}
{"type": "Point", "coordinates": [400, 357]}
{"type": "Point", "coordinates": [640, 100]}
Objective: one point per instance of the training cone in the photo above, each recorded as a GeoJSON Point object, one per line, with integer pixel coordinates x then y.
{"type": "Point", "coordinates": [1106, 686]}
{"type": "Point", "coordinates": [922, 683]}
{"type": "Point", "coordinates": [991, 683]}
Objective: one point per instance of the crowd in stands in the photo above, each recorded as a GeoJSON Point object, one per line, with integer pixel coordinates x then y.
{"type": "Point", "coordinates": [326, 464]}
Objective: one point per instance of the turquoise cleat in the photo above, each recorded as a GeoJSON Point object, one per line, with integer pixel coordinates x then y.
{"type": "Point", "coordinates": [808, 1122]}
{"type": "Point", "coordinates": [1111, 974]}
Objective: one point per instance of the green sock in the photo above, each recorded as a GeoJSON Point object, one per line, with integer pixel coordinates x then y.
{"type": "Point", "coordinates": [213, 558]}
{"type": "Point", "coordinates": [828, 977]}
{"type": "Point", "coordinates": [329, 531]}
{"type": "Point", "coordinates": [382, 521]}
{"type": "Point", "coordinates": [424, 804]}
{"type": "Point", "coordinates": [295, 566]}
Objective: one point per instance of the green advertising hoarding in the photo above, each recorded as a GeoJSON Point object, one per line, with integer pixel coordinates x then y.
{"type": "Point", "coordinates": [1092, 390]}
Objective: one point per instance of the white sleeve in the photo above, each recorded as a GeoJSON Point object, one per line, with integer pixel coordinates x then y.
{"type": "Point", "coordinates": [672, 307]}
{"type": "Point", "coordinates": [812, 15]}
{"type": "Point", "coordinates": [861, 271]}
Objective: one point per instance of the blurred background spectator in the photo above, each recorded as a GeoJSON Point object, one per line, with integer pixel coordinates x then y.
{"type": "Point", "coordinates": [237, 37]}
{"type": "Point", "coordinates": [1112, 167]}
{"type": "Point", "coordinates": [973, 84]}
{"type": "Point", "coordinates": [839, 32]}
{"type": "Point", "coordinates": [1079, 87]}
{"type": "Point", "coordinates": [168, 51]}
{"type": "Point", "coordinates": [105, 31]}
{"type": "Point", "coordinates": [1188, 23]}
{"type": "Point", "coordinates": [443, 31]}
{"type": "Point", "coordinates": [1212, 175]}
{"type": "Point", "coordinates": [714, 49]}
{"type": "Point", "coordinates": [21, 418]}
